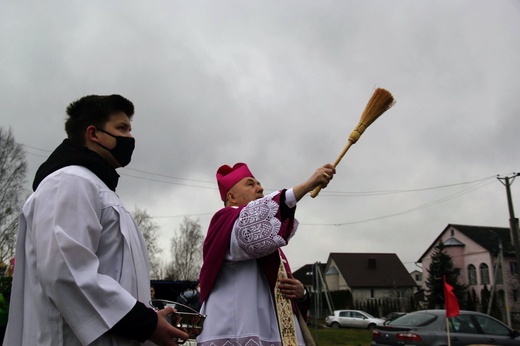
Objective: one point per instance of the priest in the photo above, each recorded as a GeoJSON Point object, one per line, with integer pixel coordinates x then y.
{"type": "Point", "coordinates": [247, 290]}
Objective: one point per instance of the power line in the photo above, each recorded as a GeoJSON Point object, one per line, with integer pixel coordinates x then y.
{"type": "Point", "coordinates": [324, 193]}
{"type": "Point", "coordinates": [28, 146]}
{"type": "Point", "coordinates": [169, 176]}
{"type": "Point", "coordinates": [422, 206]}
{"type": "Point", "coordinates": [181, 215]}
{"type": "Point", "coordinates": [142, 171]}
{"type": "Point", "coordinates": [168, 182]}
{"type": "Point", "coordinates": [387, 192]}
{"type": "Point", "coordinates": [478, 182]}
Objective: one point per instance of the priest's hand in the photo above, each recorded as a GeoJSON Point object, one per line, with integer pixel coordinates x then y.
{"type": "Point", "coordinates": [321, 177]}
{"type": "Point", "coordinates": [165, 334]}
{"type": "Point", "coordinates": [292, 288]}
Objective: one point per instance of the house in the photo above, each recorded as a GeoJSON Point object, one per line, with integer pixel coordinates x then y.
{"type": "Point", "coordinates": [308, 273]}
{"type": "Point", "coordinates": [417, 276]}
{"type": "Point", "coordinates": [475, 252]}
{"type": "Point", "coordinates": [369, 275]}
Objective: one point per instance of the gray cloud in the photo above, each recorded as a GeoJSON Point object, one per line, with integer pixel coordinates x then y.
{"type": "Point", "coordinates": [280, 86]}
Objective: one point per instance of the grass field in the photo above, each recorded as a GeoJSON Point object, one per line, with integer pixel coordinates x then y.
{"type": "Point", "coordinates": [345, 336]}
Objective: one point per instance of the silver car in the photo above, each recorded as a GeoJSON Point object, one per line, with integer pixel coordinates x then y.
{"type": "Point", "coordinates": [428, 328]}
{"type": "Point", "coordinates": [352, 319]}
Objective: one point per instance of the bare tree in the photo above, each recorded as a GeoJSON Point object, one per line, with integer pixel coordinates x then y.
{"type": "Point", "coordinates": [150, 232]}
{"type": "Point", "coordinates": [13, 168]}
{"type": "Point", "coordinates": [186, 248]}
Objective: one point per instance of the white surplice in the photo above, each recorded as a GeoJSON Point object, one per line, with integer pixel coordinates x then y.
{"type": "Point", "coordinates": [240, 309]}
{"type": "Point", "coordinates": [81, 263]}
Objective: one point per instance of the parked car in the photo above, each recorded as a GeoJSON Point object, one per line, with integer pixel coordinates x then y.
{"type": "Point", "coordinates": [428, 327]}
{"type": "Point", "coordinates": [352, 319]}
{"type": "Point", "coordinates": [393, 315]}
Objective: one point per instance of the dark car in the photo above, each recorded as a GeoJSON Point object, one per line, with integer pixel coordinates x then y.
{"type": "Point", "coordinates": [392, 316]}
{"type": "Point", "coordinates": [428, 328]}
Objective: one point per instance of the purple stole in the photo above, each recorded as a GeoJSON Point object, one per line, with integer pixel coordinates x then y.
{"type": "Point", "coordinates": [215, 247]}
{"type": "Point", "coordinates": [217, 241]}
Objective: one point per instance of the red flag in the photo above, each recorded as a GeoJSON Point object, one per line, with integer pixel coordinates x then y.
{"type": "Point", "coordinates": [451, 303]}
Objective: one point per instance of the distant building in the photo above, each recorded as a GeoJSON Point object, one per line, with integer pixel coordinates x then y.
{"type": "Point", "coordinates": [475, 254]}
{"type": "Point", "coordinates": [369, 275]}
{"type": "Point", "coordinates": [417, 276]}
{"type": "Point", "coordinates": [306, 275]}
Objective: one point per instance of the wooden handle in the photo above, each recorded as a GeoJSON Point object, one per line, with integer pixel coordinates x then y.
{"type": "Point", "coordinates": [379, 103]}
{"type": "Point", "coordinates": [317, 189]}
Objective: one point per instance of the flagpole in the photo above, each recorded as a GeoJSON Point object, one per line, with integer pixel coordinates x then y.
{"type": "Point", "coordinates": [448, 330]}
{"type": "Point", "coordinates": [451, 305]}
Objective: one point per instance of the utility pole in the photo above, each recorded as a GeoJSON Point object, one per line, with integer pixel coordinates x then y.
{"type": "Point", "coordinates": [500, 265]}
{"type": "Point", "coordinates": [504, 279]}
{"type": "Point", "coordinates": [317, 297]}
{"type": "Point", "coordinates": [513, 221]}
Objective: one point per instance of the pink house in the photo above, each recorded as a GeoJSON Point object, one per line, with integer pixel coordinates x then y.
{"type": "Point", "coordinates": [475, 252]}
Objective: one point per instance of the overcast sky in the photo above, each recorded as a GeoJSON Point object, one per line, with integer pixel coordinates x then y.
{"type": "Point", "coordinates": [280, 85]}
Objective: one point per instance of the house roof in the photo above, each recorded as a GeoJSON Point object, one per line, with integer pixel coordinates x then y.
{"type": "Point", "coordinates": [452, 241]}
{"type": "Point", "coordinates": [304, 274]}
{"type": "Point", "coordinates": [372, 270]}
{"type": "Point", "coordinates": [486, 236]}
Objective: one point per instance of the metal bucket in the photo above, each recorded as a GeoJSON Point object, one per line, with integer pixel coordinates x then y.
{"type": "Point", "coordinates": [186, 318]}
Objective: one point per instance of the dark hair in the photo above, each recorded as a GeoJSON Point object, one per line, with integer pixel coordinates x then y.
{"type": "Point", "coordinates": [94, 110]}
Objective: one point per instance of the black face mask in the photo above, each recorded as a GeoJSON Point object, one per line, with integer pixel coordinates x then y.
{"type": "Point", "coordinates": [123, 150]}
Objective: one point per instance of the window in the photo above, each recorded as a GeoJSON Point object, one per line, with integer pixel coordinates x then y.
{"type": "Point", "coordinates": [463, 324]}
{"type": "Point", "coordinates": [490, 326]}
{"type": "Point", "coordinates": [372, 293]}
{"type": "Point", "coordinates": [356, 314]}
{"type": "Point", "coordinates": [513, 266]}
{"type": "Point", "coordinates": [418, 277]}
{"type": "Point", "coordinates": [515, 295]}
{"type": "Point", "coordinates": [472, 274]}
{"type": "Point", "coordinates": [484, 274]}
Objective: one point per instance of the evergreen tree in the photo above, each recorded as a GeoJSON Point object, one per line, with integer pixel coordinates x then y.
{"type": "Point", "coordinates": [442, 265]}
{"type": "Point", "coordinates": [486, 297]}
{"type": "Point", "coordinates": [471, 300]}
